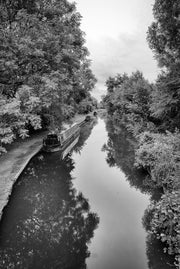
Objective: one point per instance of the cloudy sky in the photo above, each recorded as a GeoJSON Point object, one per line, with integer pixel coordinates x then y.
{"type": "Point", "coordinates": [116, 38]}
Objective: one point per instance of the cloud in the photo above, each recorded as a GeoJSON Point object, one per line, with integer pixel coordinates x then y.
{"type": "Point", "coordinates": [116, 37]}
{"type": "Point", "coordinates": [127, 53]}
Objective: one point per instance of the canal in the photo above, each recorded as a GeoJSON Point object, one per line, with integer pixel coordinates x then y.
{"type": "Point", "coordinates": [83, 212]}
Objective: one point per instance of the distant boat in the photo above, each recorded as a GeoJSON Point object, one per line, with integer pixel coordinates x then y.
{"type": "Point", "coordinates": [60, 142]}
{"type": "Point", "coordinates": [88, 118]}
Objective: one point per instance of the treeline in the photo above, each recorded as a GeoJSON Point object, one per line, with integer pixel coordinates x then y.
{"type": "Point", "coordinates": [152, 113]}
{"type": "Point", "coordinates": [45, 74]}
{"type": "Point", "coordinates": [120, 153]}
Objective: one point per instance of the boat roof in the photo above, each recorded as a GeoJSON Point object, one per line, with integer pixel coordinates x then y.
{"type": "Point", "coordinates": [69, 126]}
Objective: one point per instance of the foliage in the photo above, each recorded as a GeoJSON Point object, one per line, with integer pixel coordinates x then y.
{"type": "Point", "coordinates": [44, 64]}
{"type": "Point", "coordinates": [11, 121]}
{"type": "Point", "coordinates": [87, 105]}
{"type": "Point", "coordinates": [152, 114]}
{"type": "Point", "coordinates": [157, 259]}
{"type": "Point", "coordinates": [164, 37]}
{"type": "Point", "coordinates": [159, 154]}
{"type": "Point", "coordinates": [163, 34]}
{"type": "Point", "coordinates": [128, 99]}
{"type": "Point", "coordinates": [166, 101]}
{"type": "Point", "coordinates": [120, 153]}
{"type": "Point", "coordinates": [165, 222]}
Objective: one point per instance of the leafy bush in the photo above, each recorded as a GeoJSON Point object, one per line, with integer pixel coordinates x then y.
{"type": "Point", "coordinates": [87, 105]}
{"type": "Point", "coordinates": [129, 99]}
{"type": "Point", "coordinates": [165, 222]}
{"type": "Point", "coordinates": [159, 154]}
{"type": "Point", "coordinates": [44, 65]}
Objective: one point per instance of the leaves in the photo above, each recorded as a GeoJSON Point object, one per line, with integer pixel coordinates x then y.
{"type": "Point", "coordinates": [152, 114]}
{"type": "Point", "coordinates": [44, 69]}
{"type": "Point", "coordinates": [163, 34]}
{"type": "Point", "coordinates": [165, 221]}
{"type": "Point", "coordinates": [129, 99]}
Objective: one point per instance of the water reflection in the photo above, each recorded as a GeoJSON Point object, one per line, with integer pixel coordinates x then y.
{"type": "Point", "coordinates": [120, 153]}
{"type": "Point", "coordinates": [157, 259]}
{"type": "Point", "coordinates": [46, 224]}
{"type": "Point", "coordinates": [116, 244]}
{"type": "Point", "coordinates": [85, 132]}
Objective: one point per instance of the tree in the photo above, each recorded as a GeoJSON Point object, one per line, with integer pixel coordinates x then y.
{"type": "Point", "coordinates": [163, 34]}
{"type": "Point", "coordinates": [164, 217]}
{"type": "Point", "coordinates": [164, 38]}
{"type": "Point", "coordinates": [128, 99]}
{"type": "Point", "coordinates": [159, 154]}
{"type": "Point", "coordinates": [43, 61]}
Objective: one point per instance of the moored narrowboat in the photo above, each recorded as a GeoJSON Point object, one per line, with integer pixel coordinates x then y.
{"type": "Point", "coordinates": [59, 142]}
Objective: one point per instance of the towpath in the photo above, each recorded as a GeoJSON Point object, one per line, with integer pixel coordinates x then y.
{"type": "Point", "coordinates": [15, 160]}
{"type": "Point", "coordinates": [13, 163]}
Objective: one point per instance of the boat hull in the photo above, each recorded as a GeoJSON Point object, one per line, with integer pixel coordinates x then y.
{"type": "Point", "coordinates": [59, 147]}
{"type": "Point", "coordinates": [69, 148]}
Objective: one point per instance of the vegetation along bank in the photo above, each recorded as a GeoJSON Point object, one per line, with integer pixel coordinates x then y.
{"type": "Point", "coordinates": [45, 74]}
{"type": "Point", "coordinates": [151, 112]}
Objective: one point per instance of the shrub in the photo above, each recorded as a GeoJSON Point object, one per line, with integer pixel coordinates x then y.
{"type": "Point", "coordinates": [165, 222]}
{"type": "Point", "coordinates": [159, 154]}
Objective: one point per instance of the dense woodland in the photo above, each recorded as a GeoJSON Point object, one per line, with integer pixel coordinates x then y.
{"type": "Point", "coordinates": [45, 74]}
{"type": "Point", "coordinates": [151, 112]}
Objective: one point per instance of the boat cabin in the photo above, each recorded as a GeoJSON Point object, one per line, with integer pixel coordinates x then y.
{"type": "Point", "coordinates": [54, 142]}
{"type": "Point", "coordinates": [51, 140]}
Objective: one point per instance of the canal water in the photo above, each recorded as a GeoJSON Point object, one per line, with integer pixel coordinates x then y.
{"type": "Point", "coordinates": [83, 212]}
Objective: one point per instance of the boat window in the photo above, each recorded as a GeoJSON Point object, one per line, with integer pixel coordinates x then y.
{"type": "Point", "coordinates": [52, 140]}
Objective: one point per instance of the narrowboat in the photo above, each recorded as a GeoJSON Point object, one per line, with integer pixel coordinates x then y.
{"type": "Point", "coordinates": [59, 142]}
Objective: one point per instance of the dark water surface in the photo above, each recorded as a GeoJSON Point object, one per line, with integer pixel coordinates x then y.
{"type": "Point", "coordinates": [83, 212]}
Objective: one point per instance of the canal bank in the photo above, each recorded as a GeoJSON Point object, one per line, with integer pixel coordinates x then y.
{"type": "Point", "coordinates": [81, 212]}
{"type": "Point", "coordinates": [13, 163]}
{"type": "Point", "coordinates": [116, 193]}
{"type": "Point", "coordinates": [16, 159]}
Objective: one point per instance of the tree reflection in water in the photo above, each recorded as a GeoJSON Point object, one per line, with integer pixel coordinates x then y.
{"type": "Point", "coordinates": [120, 153]}
{"type": "Point", "coordinates": [157, 258]}
{"type": "Point", "coordinates": [46, 223]}
{"type": "Point", "coordinates": [85, 132]}
{"type": "Point", "coordinates": [120, 150]}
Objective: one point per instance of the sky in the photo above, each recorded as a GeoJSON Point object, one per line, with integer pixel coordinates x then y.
{"type": "Point", "coordinates": [116, 38]}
